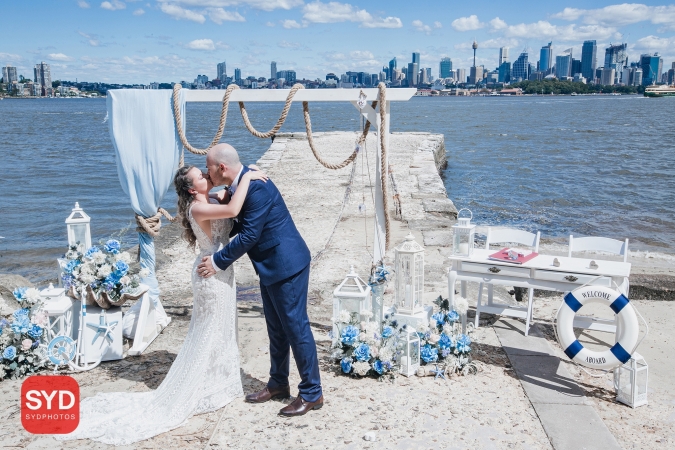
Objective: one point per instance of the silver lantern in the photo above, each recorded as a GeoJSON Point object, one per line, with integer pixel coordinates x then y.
{"type": "Point", "coordinates": [409, 345]}
{"type": "Point", "coordinates": [630, 381]}
{"type": "Point", "coordinates": [463, 233]}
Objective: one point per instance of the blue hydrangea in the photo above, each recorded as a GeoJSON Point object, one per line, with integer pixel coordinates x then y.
{"type": "Point", "coordinates": [90, 253]}
{"type": "Point", "coordinates": [463, 343]}
{"type": "Point", "coordinates": [121, 268]}
{"type": "Point", "coordinates": [35, 331]}
{"type": "Point", "coordinates": [349, 335]}
{"type": "Point", "coordinates": [346, 365]}
{"type": "Point", "coordinates": [439, 317]}
{"type": "Point", "coordinates": [429, 354]}
{"type": "Point", "coordinates": [362, 352]}
{"type": "Point", "coordinates": [378, 367]}
{"type": "Point", "coordinates": [387, 332]}
{"type": "Point", "coordinates": [21, 325]}
{"type": "Point", "coordinates": [453, 316]}
{"type": "Point", "coordinates": [68, 280]}
{"type": "Point", "coordinates": [20, 293]}
{"type": "Point", "coordinates": [72, 264]}
{"type": "Point", "coordinates": [445, 342]}
{"type": "Point", "coordinates": [446, 352]}
{"type": "Point", "coordinates": [9, 353]}
{"type": "Point", "coordinates": [112, 246]}
{"type": "Point", "coordinates": [23, 312]}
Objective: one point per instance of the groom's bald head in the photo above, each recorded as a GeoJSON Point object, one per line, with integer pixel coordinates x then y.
{"type": "Point", "coordinates": [222, 162]}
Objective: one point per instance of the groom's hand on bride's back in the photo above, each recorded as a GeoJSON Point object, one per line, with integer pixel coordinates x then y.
{"type": "Point", "coordinates": [205, 269]}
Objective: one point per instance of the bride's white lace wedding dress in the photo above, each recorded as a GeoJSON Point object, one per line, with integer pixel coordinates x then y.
{"type": "Point", "coordinates": [204, 377]}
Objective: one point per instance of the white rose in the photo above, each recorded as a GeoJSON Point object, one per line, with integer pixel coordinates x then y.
{"type": "Point", "coordinates": [461, 305]}
{"type": "Point", "coordinates": [144, 273]}
{"type": "Point", "coordinates": [87, 269]}
{"type": "Point", "coordinates": [433, 323]}
{"type": "Point", "coordinates": [99, 258]}
{"type": "Point", "coordinates": [386, 354]}
{"type": "Point", "coordinates": [434, 338]}
{"type": "Point", "coordinates": [374, 352]}
{"type": "Point", "coordinates": [361, 368]}
{"type": "Point", "coordinates": [447, 329]}
{"type": "Point", "coordinates": [345, 317]}
{"type": "Point", "coordinates": [125, 280]}
{"type": "Point", "coordinates": [32, 295]}
{"type": "Point", "coordinates": [124, 256]}
{"type": "Point", "coordinates": [104, 271]}
{"type": "Point", "coordinates": [87, 278]}
{"type": "Point", "coordinates": [363, 337]}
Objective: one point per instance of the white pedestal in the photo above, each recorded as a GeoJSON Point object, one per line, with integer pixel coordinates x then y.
{"type": "Point", "coordinates": [417, 321]}
{"type": "Point", "coordinates": [102, 333]}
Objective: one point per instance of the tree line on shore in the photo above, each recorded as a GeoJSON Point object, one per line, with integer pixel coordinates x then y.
{"type": "Point", "coordinates": [563, 87]}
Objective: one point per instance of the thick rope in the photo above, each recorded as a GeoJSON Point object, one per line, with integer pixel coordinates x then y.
{"type": "Point", "coordinates": [384, 170]}
{"type": "Point", "coordinates": [151, 225]}
{"type": "Point", "coordinates": [284, 113]}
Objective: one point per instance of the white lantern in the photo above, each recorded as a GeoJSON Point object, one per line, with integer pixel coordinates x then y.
{"type": "Point", "coordinates": [463, 235]}
{"type": "Point", "coordinates": [409, 344]}
{"type": "Point", "coordinates": [630, 381]}
{"type": "Point", "coordinates": [353, 296]}
{"type": "Point", "coordinates": [409, 265]}
{"type": "Point", "coordinates": [79, 233]}
{"type": "Point", "coordinates": [59, 310]}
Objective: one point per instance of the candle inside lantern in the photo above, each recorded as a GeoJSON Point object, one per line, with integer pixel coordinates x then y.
{"type": "Point", "coordinates": [464, 248]}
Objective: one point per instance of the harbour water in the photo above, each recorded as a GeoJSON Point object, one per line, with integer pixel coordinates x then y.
{"type": "Point", "coordinates": [581, 165]}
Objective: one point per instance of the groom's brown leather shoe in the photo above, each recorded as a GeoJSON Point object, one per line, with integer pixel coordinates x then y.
{"type": "Point", "coordinates": [269, 394]}
{"type": "Point", "coordinates": [300, 406]}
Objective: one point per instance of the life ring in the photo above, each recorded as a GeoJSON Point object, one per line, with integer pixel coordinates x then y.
{"type": "Point", "coordinates": [629, 328]}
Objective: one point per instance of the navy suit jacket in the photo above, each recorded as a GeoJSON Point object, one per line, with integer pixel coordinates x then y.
{"type": "Point", "coordinates": [267, 233]}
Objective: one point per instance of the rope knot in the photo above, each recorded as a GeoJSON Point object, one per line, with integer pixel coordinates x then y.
{"type": "Point", "coordinates": [151, 225]}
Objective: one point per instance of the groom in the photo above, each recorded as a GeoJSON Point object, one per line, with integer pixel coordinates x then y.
{"type": "Point", "coordinates": [265, 230]}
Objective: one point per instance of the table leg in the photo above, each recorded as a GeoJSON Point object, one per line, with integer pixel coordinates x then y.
{"type": "Point", "coordinates": [452, 278]}
{"type": "Point", "coordinates": [462, 288]}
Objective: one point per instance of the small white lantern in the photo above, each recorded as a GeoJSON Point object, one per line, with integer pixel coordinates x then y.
{"type": "Point", "coordinates": [463, 235]}
{"type": "Point", "coordinates": [409, 257]}
{"type": "Point", "coordinates": [78, 229]}
{"type": "Point", "coordinates": [353, 296]}
{"type": "Point", "coordinates": [59, 310]}
{"type": "Point", "coordinates": [630, 381]}
{"type": "Point", "coordinates": [410, 351]}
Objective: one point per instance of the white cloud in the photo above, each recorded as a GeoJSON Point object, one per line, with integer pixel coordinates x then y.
{"type": "Point", "coordinates": [290, 24]}
{"type": "Point", "coordinates": [490, 43]}
{"type": "Point", "coordinates": [420, 26]}
{"type": "Point", "coordinates": [498, 24]}
{"type": "Point", "coordinates": [139, 12]}
{"type": "Point", "coordinates": [178, 13]}
{"type": "Point", "coordinates": [290, 45]}
{"type": "Point", "coordinates": [361, 55]}
{"type": "Point", "coordinates": [651, 44]}
{"type": "Point", "coordinates": [83, 4]}
{"type": "Point", "coordinates": [546, 30]}
{"type": "Point", "coordinates": [623, 14]}
{"type": "Point", "coordinates": [91, 38]}
{"type": "Point", "coordinates": [467, 23]}
{"type": "Point", "coordinates": [437, 24]}
{"type": "Point", "coordinates": [113, 5]}
{"type": "Point", "coordinates": [59, 57]}
{"type": "Point", "coordinates": [264, 5]}
{"type": "Point", "coordinates": [270, 24]}
{"type": "Point", "coordinates": [219, 15]}
{"type": "Point", "coordinates": [333, 12]}
{"type": "Point", "coordinates": [201, 44]}
{"type": "Point", "coordinates": [10, 57]}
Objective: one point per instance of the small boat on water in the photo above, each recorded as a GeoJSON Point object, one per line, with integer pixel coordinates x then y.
{"type": "Point", "coordinates": [660, 91]}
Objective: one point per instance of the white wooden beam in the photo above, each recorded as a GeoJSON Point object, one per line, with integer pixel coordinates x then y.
{"type": "Point", "coordinates": [309, 95]}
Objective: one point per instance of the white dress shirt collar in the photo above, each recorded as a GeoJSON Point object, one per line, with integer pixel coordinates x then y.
{"type": "Point", "coordinates": [235, 183]}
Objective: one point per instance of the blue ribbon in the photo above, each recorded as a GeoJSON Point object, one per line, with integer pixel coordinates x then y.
{"type": "Point", "coordinates": [574, 348]}
{"type": "Point", "coordinates": [618, 304]}
{"type": "Point", "coordinates": [572, 302]}
{"type": "Point", "coordinates": [620, 352]}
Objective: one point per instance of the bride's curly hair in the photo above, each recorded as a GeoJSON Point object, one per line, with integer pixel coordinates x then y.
{"type": "Point", "coordinates": [183, 184]}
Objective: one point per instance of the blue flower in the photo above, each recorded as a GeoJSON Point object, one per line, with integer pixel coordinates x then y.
{"type": "Point", "coordinates": [387, 332]}
{"type": "Point", "coordinates": [89, 253]}
{"type": "Point", "coordinates": [378, 367]}
{"type": "Point", "coordinates": [72, 264]}
{"type": "Point", "coordinates": [21, 325]}
{"type": "Point", "coordinates": [394, 323]}
{"type": "Point", "coordinates": [453, 316]}
{"type": "Point", "coordinates": [463, 343]}
{"type": "Point", "coordinates": [362, 352]}
{"type": "Point", "coordinates": [349, 335]}
{"type": "Point", "coordinates": [446, 352]}
{"type": "Point", "coordinates": [9, 353]}
{"type": "Point", "coordinates": [346, 365]}
{"type": "Point", "coordinates": [445, 342]}
{"type": "Point", "coordinates": [20, 293]}
{"type": "Point", "coordinates": [68, 280]}
{"type": "Point", "coordinates": [429, 354]}
{"type": "Point", "coordinates": [112, 246]}
{"type": "Point", "coordinates": [121, 268]}
{"type": "Point", "coordinates": [35, 331]}
{"type": "Point", "coordinates": [23, 312]}
{"type": "Point", "coordinates": [439, 317]}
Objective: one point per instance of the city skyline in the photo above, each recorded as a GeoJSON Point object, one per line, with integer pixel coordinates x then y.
{"type": "Point", "coordinates": [142, 42]}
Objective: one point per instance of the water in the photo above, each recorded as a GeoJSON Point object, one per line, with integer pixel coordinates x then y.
{"type": "Point", "coordinates": [560, 165]}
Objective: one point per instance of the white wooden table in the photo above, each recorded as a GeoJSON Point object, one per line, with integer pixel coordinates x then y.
{"type": "Point", "coordinates": [538, 273]}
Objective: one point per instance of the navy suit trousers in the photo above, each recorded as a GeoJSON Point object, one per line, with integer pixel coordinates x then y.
{"type": "Point", "coordinates": [285, 307]}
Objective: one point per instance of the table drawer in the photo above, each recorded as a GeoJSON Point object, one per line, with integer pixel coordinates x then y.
{"type": "Point", "coordinates": [567, 277]}
{"type": "Point", "coordinates": [494, 269]}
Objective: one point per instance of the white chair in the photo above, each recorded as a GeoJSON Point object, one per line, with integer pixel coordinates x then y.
{"type": "Point", "coordinates": [508, 236]}
{"type": "Point", "coordinates": [599, 244]}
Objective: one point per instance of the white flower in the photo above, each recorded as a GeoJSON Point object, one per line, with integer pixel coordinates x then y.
{"type": "Point", "coordinates": [434, 338]}
{"type": "Point", "coordinates": [361, 368]}
{"type": "Point", "coordinates": [26, 344]}
{"type": "Point", "coordinates": [363, 337]}
{"type": "Point", "coordinates": [32, 295]}
{"type": "Point", "coordinates": [345, 317]}
{"type": "Point", "coordinates": [104, 271]}
{"type": "Point", "coordinates": [374, 351]}
{"type": "Point", "coordinates": [386, 354]}
{"type": "Point", "coordinates": [461, 305]}
{"type": "Point", "coordinates": [87, 278]}
{"type": "Point", "coordinates": [99, 257]}
{"type": "Point", "coordinates": [125, 280]}
{"type": "Point", "coordinates": [88, 268]}
{"type": "Point", "coordinates": [371, 327]}
{"type": "Point", "coordinates": [424, 328]}
{"type": "Point", "coordinates": [433, 323]}
{"type": "Point", "coordinates": [40, 318]}
{"type": "Point", "coordinates": [447, 329]}
{"type": "Point", "coordinates": [144, 273]}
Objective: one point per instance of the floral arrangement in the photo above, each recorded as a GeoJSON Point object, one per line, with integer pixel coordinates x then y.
{"type": "Point", "coordinates": [362, 349]}
{"type": "Point", "coordinates": [21, 352]}
{"type": "Point", "coordinates": [103, 269]}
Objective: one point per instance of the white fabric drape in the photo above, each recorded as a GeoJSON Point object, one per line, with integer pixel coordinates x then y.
{"type": "Point", "coordinates": [147, 150]}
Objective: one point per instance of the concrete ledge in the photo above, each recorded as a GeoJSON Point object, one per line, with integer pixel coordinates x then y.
{"type": "Point", "coordinates": [575, 427]}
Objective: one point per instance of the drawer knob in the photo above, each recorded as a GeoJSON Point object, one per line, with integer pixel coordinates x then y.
{"type": "Point", "coordinates": [571, 278]}
{"type": "Point", "coordinates": [495, 269]}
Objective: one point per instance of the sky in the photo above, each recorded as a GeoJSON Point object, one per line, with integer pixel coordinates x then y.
{"type": "Point", "coordinates": [134, 41]}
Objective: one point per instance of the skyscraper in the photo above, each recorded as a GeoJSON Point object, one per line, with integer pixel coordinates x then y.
{"type": "Point", "coordinates": [504, 72]}
{"type": "Point", "coordinates": [616, 58]}
{"type": "Point", "coordinates": [546, 58]}
{"type": "Point", "coordinates": [273, 70]}
{"type": "Point", "coordinates": [474, 46]}
{"type": "Point", "coordinates": [221, 71]}
{"type": "Point", "coordinates": [589, 60]}
{"type": "Point", "coordinates": [503, 55]}
{"type": "Point", "coordinates": [237, 74]}
{"type": "Point", "coordinates": [651, 68]}
{"type": "Point", "coordinates": [563, 65]}
{"type": "Point", "coordinates": [520, 69]}
{"type": "Point", "coordinates": [461, 75]}
{"type": "Point", "coordinates": [43, 77]}
{"type": "Point", "coordinates": [445, 67]}
{"type": "Point", "coordinates": [412, 74]}
{"type": "Point", "coordinates": [576, 67]}
{"type": "Point", "coordinates": [392, 68]}
{"type": "Point", "coordinates": [9, 75]}
{"type": "Point", "coordinates": [416, 58]}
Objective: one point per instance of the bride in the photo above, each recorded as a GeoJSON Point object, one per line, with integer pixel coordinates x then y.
{"type": "Point", "coordinates": [205, 375]}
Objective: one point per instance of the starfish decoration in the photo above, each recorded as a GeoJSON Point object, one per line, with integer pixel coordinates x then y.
{"type": "Point", "coordinates": [103, 328]}
{"type": "Point", "coordinates": [438, 372]}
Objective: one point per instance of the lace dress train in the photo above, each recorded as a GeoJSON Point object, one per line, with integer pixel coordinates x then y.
{"type": "Point", "coordinates": [204, 377]}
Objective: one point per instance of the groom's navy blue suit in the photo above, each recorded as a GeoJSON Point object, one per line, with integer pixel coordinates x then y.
{"type": "Point", "coordinates": [265, 230]}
